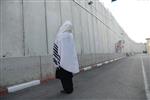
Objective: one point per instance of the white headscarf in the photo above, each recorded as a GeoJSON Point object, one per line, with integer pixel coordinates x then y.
{"type": "Point", "coordinates": [66, 48]}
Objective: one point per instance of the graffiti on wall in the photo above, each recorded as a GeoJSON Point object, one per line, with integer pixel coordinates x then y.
{"type": "Point", "coordinates": [119, 46]}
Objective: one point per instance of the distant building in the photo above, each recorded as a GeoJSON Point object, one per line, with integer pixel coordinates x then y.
{"type": "Point", "coordinates": [148, 45]}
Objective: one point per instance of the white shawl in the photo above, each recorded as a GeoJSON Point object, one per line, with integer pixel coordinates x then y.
{"type": "Point", "coordinates": [64, 49]}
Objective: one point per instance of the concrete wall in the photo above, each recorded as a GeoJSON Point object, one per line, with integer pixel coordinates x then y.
{"type": "Point", "coordinates": [148, 46]}
{"type": "Point", "coordinates": [28, 29]}
{"type": "Point", "coordinates": [35, 28]}
{"type": "Point", "coordinates": [11, 29]}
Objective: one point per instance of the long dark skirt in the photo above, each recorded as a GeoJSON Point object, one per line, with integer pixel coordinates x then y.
{"type": "Point", "coordinates": [66, 79]}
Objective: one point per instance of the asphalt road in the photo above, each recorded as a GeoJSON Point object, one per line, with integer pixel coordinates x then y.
{"type": "Point", "coordinates": [120, 80]}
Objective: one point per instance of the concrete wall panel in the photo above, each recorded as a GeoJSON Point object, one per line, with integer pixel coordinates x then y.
{"type": "Point", "coordinates": [77, 30]}
{"type": "Point", "coordinates": [95, 34]}
{"type": "Point", "coordinates": [100, 37]}
{"type": "Point", "coordinates": [91, 37]}
{"type": "Point", "coordinates": [112, 45]}
{"type": "Point", "coordinates": [94, 37]}
{"type": "Point", "coordinates": [91, 32]}
{"type": "Point", "coordinates": [77, 1]}
{"type": "Point", "coordinates": [11, 33]}
{"type": "Point", "coordinates": [83, 3]}
{"type": "Point", "coordinates": [109, 41]}
{"type": "Point", "coordinates": [104, 39]}
{"type": "Point", "coordinates": [66, 10]}
{"type": "Point", "coordinates": [77, 27]}
{"type": "Point", "coordinates": [35, 30]}
{"type": "Point", "coordinates": [53, 21]}
{"type": "Point", "coordinates": [97, 39]}
{"type": "Point", "coordinates": [85, 32]}
{"type": "Point", "coordinates": [19, 70]}
{"type": "Point", "coordinates": [47, 67]}
{"type": "Point", "coordinates": [85, 37]}
{"type": "Point", "coordinates": [1, 29]}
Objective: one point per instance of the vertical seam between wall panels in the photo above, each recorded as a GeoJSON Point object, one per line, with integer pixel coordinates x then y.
{"type": "Point", "coordinates": [80, 31]}
{"type": "Point", "coordinates": [82, 49]}
{"type": "Point", "coordinates": [23, 28]}
{"type": "Point", "coordinates": [72, 5]}
{"type": "Point", "coordinates": [97, 49]}
{"type": "Point", "coordinates": [89, 33]}
{"type": "Point", "coordinates": [72, 15]}
{"type": "Point", "coordinates": [60, 12]}
{"type": "Point", "coordinates": [107, 30]}
{"type": "Point", "coordinates": [40, 67]}
{"type": "Point", "coordinates": [1, 50]}
{"type": "Point", "coordinates": [81, 40]}
{"type": "Point", "coordinates": [98, 44]}
{"type": "Point", "coordinates": [93, 33]}
{"type": "Point", "coordinates": [1, 30]}
{"type": "Point", "coordinates": [1, 60]}
{"type": "Point", "coordinates": [46, 29]}
{"type": "Point", "coordinates": [72, 18]}
{"type": "Point", "coordinates": [0, 42]}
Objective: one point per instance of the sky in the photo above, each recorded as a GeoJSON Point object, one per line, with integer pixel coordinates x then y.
{"type": "Point", "coordinates": [133, 16]}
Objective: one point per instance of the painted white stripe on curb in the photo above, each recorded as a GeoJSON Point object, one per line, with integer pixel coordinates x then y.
{"type": "Point", "coordinates": [106, 62]}
{"type": "Point", "coordinates": [147, 90]}
{"type": "Point", "coordinates": [111, 60]}
{"type": "Point", "coordinates": [87, 68]}
{"type": "Point", "coordinates": [23, 86]}
{"type": "Point", "coordinates": [100, 64]}
{"type": "Point", "coordinates": [115, 59]}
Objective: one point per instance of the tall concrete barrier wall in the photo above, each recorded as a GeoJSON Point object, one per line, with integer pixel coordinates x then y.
{"type": "Point", "coordinates": [28, 29]}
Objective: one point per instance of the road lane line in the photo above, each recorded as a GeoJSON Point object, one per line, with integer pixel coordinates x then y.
{"type": "Point", "coordinates": [145, 81]}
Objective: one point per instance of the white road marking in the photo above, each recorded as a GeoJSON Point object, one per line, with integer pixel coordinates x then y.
{"type": "Point", "coordinates": [147, 90]}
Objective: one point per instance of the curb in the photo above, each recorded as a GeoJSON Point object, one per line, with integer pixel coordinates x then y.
{"type": "Point", "coordinates": [11, 89]}
{"type": "Point", "coordinates": [100, 64]}
{"type": "Point", "coordinates": [3, 91]}
{"type": "Point", "coordinates": [15, 88]}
